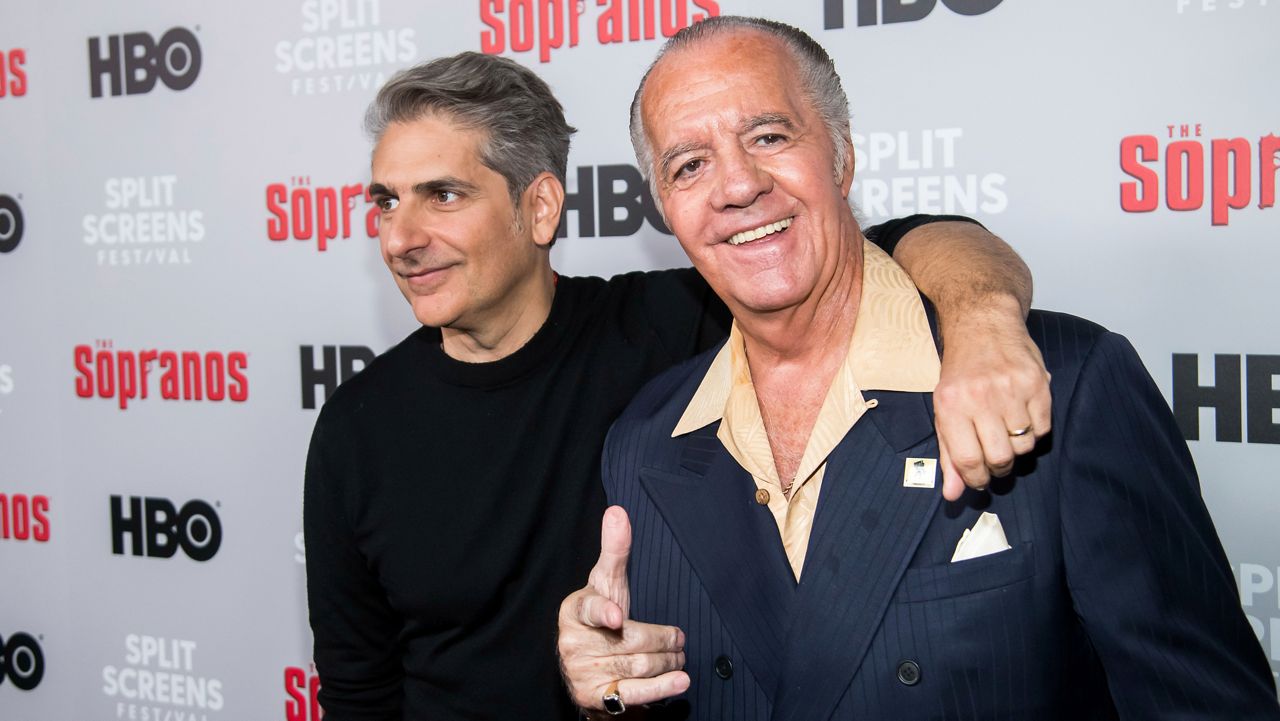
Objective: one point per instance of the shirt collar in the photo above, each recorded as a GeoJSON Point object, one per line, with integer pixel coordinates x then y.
{"type": "Point", "coordinates": [892, 348]}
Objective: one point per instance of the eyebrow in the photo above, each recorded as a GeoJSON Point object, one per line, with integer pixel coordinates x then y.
{"type": "Point", "coordinates": [674, 152]}
{"type": "Point", "coordinates": [427, 187]}
{"type": "Point", "coordinates": [752, 123]}
{"type": "Point", "coordinates": [759, 121]}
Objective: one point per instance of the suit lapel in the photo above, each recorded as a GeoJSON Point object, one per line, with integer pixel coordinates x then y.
{"type": "Point", "coordinates": [732, 544]}
{"type": "Point", "coordinates": [866, 531]}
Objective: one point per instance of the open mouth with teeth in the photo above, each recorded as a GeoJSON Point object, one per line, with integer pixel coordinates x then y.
{"type": "Point", "coordinates": [747, 236]}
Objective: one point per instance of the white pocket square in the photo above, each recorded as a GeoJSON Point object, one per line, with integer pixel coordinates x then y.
{"type": "Point", "coordinates": [985, 538]}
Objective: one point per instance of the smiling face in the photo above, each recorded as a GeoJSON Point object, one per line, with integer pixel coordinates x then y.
{"type": "Point", "coordinates": [448, 230]}
{"type": "Point", "coordinates": [744, 171]}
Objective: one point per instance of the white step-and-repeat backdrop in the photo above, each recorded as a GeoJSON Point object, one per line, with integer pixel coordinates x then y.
{"type": "Point", "coordinates": [189, 266]}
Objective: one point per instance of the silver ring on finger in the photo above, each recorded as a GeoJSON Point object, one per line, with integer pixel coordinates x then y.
{"type": "Point", "coordinates": [612, 701]}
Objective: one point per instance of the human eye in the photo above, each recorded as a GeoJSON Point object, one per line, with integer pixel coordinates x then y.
{"type": "Point", "coordinates": [770, 139]}
{"type": "Point", "coordinates": [445, 197]}
{"type": "Point", "coordinates": [386, 203]}
{"type": "Point", "coordinates": [687, 168]}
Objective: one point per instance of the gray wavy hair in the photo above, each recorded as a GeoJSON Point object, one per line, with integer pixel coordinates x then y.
{"type": "Point", "coordinates": [524, 126]}
{"type": "Point", "coordinates": [818, 79]}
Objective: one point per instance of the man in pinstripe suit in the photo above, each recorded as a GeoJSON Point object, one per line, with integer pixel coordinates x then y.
{"type": "Point", "coordinates": [792, 558]}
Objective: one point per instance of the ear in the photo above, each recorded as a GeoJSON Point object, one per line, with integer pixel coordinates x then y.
{"type": "Point", "coordinates": [846, 169]}
{"type": "Point", "coordinates": [545, 197]}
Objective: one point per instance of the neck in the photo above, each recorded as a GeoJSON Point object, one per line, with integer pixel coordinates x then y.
{"type": "Point", "coordinates": [814, 332]}
{"type": "Point", "coordinates": [505, 330]}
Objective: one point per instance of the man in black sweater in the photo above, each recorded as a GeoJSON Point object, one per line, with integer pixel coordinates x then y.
{"type": "Point", "coordinates": [453, 489]}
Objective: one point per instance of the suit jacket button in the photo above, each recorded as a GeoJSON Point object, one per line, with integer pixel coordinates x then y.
{"type": "Point", "coordinates": [724, 667]}
{"type": "Point", "coordinates": [762, 498]}
{"type": "Point", "coordinates": [909, 673]}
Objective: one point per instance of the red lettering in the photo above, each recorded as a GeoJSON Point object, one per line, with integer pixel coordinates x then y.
{"type": "Point", "coordinates": [552, 35]}
{"type": "Point", "coordinates": [21, 521]}
{"type": "Point", "coordinates": [1236, 152]}
{"type": "Point", "coordinates": [1268, 162]}
{"type": "Point", "coordinates": [522, 19]}
{"type": "Point", "coordinates": [145, 359]}
{"type": "Point", "coordinates": [84, 383]}
{"type": "Point", "coordinates": [127, 365]}
{"type": "Point", "coordinates": [326, 217]}
{"type": "Point", "coordinates": [277, 228]}
{"type": "Point", "coordinates": [4, 516]}
{"type": "Point", "coordinates": [492, 43]}
{"type": "Point", "coordinates": [1135, 150]}
{"type": "Point", "coordinates": [633, 18]}
{"type": "Point", "coordinates": [349, 195]}
{"type": "Point", "coordinates": [710, 7]}
{"type": "Point", "coordinates": [105, 363]}
{"type": "Point", "coordinates": [301, 206]}
{"type": "Point", "coordinates": [238, 390]}
{"type": "Point", "coordinates": [1184, 175]}
{"type": "Point", "coordinates": [18, 58]}
{"type": "Point", "coordinates": [214, 371]}
{"type": "Point", "coordinates": [191, 385]}
{"type": "Point", "coordinates": [609, 24]}
{"type": "Point", "coordinates": [675, 16]}
{"type": "Point", "coordinates": [295, 682]}
{"type": "Point", "coordinates": [40, 510]}
{"type": "Point", "coordinates": [169, 379]}
{"type": "Point", "coordinates": [371, 218]}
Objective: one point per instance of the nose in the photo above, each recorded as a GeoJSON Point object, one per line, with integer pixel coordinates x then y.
{"type": "Point", "coordinates": [740, 180]}
{"type": "Point", "coordinates": [402, 231]}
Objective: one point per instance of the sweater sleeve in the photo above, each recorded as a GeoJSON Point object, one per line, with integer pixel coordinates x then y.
{"type": "Point", "coordinates": [356, 652]}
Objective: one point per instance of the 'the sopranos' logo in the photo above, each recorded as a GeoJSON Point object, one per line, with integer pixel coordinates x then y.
{"type": "Point", "coordinates": [344, 47]}
{"type": "Point", "coordinates": [13, 74]}
{"type": "Point", "coordinates": [132, 63]}
{"type": "Point", "coordinates": [905, 172]}
{"type": "Point", "coordinates": [157, 529]}
{"type": "Point", "coordinates": [24, 518]}
{"type": "Point", "coordinates": [11, 224]}
{"type": "Point", "coordinates": [158, 681]}
{"type": "Point", "coordinates": [320, 213]}
{"type": "Point", "coordinates": [1230, 176]}
{"type": "Point", "coordinates": [873, 12]}
{"type": "Point", "coordinates": [522, 25]}
{"type": "Point", "coordinates": [302, 686]}
{"type": "Point", "coordinates": [142, 223]}
{"type": "Point", "coordinates": [21, 661]}
{"type": "Point", "coordinates": [186, 375]}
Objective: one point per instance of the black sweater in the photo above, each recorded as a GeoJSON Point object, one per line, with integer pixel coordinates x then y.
{"type": "Point", "coordinates": [451, 506]}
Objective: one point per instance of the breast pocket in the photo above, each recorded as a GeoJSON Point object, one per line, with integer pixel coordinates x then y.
{"type": "Point", "coordinates": [962, 578]}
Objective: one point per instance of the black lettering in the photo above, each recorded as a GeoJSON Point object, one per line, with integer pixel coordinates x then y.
{"type": "Point", "coordinates": [326, 375]}
{"type": "Point", "coordinates": [583, 203]}
{"type": "Point", "coordinates": [122, 525]}
{"type": "Point", "coordinates": [1224, 396]}
{"type": "Point", "coordinates": [832, 14]}
{"type": "Point", "coordinates": [199, 530]}
{"type": "Point", "coordinates": [139, 63]}
{"type": "Point", "coordinates": [906, 11]}
{"type": "Point", "coordinates": [23, 660]}
{"type": "Point", "coordinates": [161, 523]}
{"type": "Point", "coordinates": [348, 356]}
{"type": "Point", "coordinates": [10, 224]}
{"type": "Point", "coordinates": [971, 7]}
{"type": "Point", "coordinates": [109, 65]}
{"type": "Point", "coordinates": [1261, 371]}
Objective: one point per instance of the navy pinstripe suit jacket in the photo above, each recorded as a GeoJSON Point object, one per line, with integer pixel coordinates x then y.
{"type": "Point", "coordinates": [1115, 600]}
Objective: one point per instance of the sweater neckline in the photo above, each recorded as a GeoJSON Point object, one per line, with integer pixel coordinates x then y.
{"type": "Point", "coordinates": [522, 362]}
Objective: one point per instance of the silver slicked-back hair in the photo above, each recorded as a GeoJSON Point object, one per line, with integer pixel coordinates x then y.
{"type": "Point", "coordinates": [524, 126]}
{"type": "Point", "coordinates": [818, 80]}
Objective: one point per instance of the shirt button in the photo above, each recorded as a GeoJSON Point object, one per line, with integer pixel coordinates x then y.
{"type": "Point", "coordinates": [724, 667]}
{"type": "Point", "coordinates": [762, 498]}
{"type": "Point", "coordinates": [909, 673]}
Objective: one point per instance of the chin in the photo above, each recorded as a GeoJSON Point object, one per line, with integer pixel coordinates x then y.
{"type": "Point", "coordinates": [432, 313]}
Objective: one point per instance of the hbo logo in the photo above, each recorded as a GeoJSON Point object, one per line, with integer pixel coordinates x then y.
{"type": "Point", "coordinates": [10, 224]}
{"type": "Point", "coordinates": [21, 661]}
{"type": "Point", "coordinates": [134, 61]}
{"type": "Point", "coordinates": [157, 530]}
